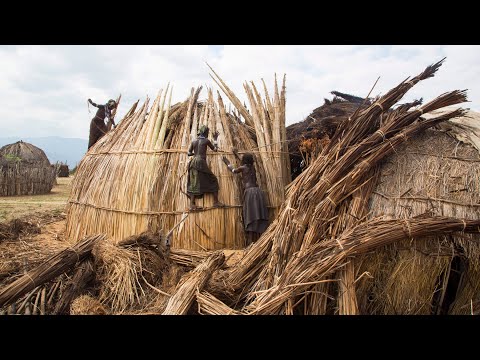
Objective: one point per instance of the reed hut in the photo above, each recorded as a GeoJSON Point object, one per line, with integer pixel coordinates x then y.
{"type": "Point", "coordinates": [436, 172]}
{"type": "Point", "coordinates": [134, 178]}
{"type": "Point", "coordinates": [25, 170]}
{"type": "Point", "coordinates": [63, 170]}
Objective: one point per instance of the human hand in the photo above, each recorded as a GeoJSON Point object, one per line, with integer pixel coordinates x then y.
{"type": "Point", "coordinates": [215, 135]}
{"type": "Point", "coordinates": [235, 152]}
{"type": "Point", "coordinates": [225, 160]}
{"type": "Point", "coordinates": [90, 101]}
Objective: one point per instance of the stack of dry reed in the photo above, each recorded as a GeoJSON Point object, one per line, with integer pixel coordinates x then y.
{"type": "Point", "coordinates": [267, 118]}
{"type": "Point", "coordinates": [48, 270]}
{"type": "Point", "coordinates": [134, 178]}
{"type": "Point", "coordinates": [312, 212]}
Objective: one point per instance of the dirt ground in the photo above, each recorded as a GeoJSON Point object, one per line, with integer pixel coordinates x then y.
{"type": "Point", "coordinates": [47, 210]}
{"type": "Point", "coordinates": [22, 206]}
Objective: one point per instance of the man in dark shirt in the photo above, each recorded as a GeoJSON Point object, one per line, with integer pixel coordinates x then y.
{"type": "Point", "coordinates": [98, 128]}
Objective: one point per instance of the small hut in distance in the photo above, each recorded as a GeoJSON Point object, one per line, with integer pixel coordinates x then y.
{"type": "Point", "coordinates": [25, 170]}
{"type": "Point", "coordinates": [62, 170]}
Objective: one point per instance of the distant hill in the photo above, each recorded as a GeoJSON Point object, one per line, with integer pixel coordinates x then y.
{"type": "Point", "coordinates": [66, 150]}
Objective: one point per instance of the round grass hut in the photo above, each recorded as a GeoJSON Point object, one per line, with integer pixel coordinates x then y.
{"type": "Point", "coordinates": [437, 173]}
{"type": "Point", "coordinates": [25, 170]}
{"type": "Point", "coordinates": [63, 170]}
{"type": "Point", "coordinates": [134, 178]}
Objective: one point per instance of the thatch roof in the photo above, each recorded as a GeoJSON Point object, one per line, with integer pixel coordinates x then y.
{"type": "Point", "coordinates": [25, 169]}
{"type": "Point", "coordinates": [63, 170]}
{"type": "Point", "coordinates": [319, 125]}
{"type": "Point", "coordinates": [25, 152]}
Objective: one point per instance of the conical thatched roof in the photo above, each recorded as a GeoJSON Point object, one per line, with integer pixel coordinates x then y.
{"type": "Point", "coordinates": [25, 170]}
{"type": "Point", "coordinates": [26, 152]}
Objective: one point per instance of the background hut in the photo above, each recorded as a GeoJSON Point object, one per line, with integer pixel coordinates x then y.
{"type": "Point", "coordinates": [307, 138]}
{"type": "Point", "coordinates": [134, 178]}
{"type": "Point", "coordinates": [63, 170]}
{"type": "Point", "coordinates": [25, 170]}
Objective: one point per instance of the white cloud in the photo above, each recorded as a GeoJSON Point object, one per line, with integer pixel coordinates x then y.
{"type": "Point", "coordinates": [44, 88]}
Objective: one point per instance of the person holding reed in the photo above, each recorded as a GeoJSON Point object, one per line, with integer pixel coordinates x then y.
{"type": "Point", "coordinates": [255, 212]}
{"type": "Point", "coordinates": [200, 179]}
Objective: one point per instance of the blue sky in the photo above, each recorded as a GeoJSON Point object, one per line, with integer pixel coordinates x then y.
{"type": "Point", "coordinates": [44, 89]}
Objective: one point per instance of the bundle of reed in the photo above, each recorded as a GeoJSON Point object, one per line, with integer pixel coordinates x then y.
{"type": "Point", "coordinates": [311, 265]}
{"type": "Point", "coordinates": [134, 178]}
{"type": "Point", "coordinates": [268, 119]}
{"type": "Point", "coordinates": [357, 210]}
{"type": "Point", "coordinates": [119, 272]}
{"type": "Point", "coordinates": [188, 258]}
{"type": "Point", "coordinates": [84, 273]}
{"type": "Point", "coordinates": [191, 283]}
{"type": "Point", "coordinates": [210, 305]}
{"type": "Point", "coordinates": [48, 270]}
{"type": "Point", "coordinates": [114, 112]}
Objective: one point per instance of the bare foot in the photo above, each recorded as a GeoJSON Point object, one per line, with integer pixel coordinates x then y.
{"type": "Point", "coordinates": [193, 208]}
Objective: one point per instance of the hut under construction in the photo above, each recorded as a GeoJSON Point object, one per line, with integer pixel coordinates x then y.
{"type": "Point", "coordinates": [25, 170]}
{"type": "Point", "coordinates": [134, 178]}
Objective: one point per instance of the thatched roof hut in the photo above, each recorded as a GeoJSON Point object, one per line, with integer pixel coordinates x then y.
{"type": "Point", "coordinates": [24, 170]}
{"type": "Point", "coordinates": [134, 178]}
{"type": "Point", "coordinates": [63, 170]}
{"type": "Point", "coordinates": [432, 173]}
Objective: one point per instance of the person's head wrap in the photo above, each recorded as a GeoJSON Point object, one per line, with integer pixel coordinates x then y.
{"type": "Point", "coordinates": [111, 103]}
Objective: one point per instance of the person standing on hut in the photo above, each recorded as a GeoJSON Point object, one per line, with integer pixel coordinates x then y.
{"type": "Point", "coordinates": [200, 179]}
{"type": "Point", "coordinates": [255, 212]}
{"type": "Point", "coordinates": [98, 128]}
